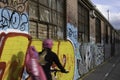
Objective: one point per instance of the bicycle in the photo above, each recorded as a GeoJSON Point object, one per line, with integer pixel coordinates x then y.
{"type": "Point", "coordinates": [54, 71]}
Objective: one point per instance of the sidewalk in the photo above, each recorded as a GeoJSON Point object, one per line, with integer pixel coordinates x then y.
{"type": "Point", "coordinates": [109, 70]}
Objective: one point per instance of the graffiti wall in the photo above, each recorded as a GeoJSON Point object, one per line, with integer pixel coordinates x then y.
{"type": "Point", "coordinates": [66, 56]}
{"type": "Point", "coordinates": [78, 58]}
{"type": "Point", "coordinates": [99, 54]}
{"type": "Point", "coordinates": [14, 38]}
{"type": "Point", "coordinates": [72, 36]}
{"type": "Point", "coordinates": [13, 15]}
{"type": "Point", "coordinates": [87, 55]}
{"type": "Point", "coordinates": [86, 62]}
{"type": "Point", "coordinates": [12, 55]}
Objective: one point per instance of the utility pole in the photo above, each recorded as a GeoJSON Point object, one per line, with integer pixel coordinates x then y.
{"type": "Point", "coordinates": [108, 14]}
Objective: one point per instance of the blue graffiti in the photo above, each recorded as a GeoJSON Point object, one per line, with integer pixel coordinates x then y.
{"type": "Point", "coordinates": [13, 20]}
{"type": "Point", "coordinates": [72, 34]}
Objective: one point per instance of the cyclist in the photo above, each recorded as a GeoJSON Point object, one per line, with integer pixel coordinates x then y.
{"type": "Point", "coordinates": [47, 57]}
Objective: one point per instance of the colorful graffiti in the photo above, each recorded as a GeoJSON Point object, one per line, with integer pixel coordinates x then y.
{"type": "Point", "coordinates": [72, 36]}
{"type": "Point", "coordinates": [86, 62]}
{"type": "Point", "coordinates": [12, 55]}
{"type": "Point", "coordinates": [62, 51]}
{"type": "Point", "coordinates": [92, 55]}
{"type": "Point", "coordinates": [13, 20]}
{"type": "Point", "coordinates": [87, 55]}
{"type": "Point", "coordinates": [99, 54]}
{"type": "Point", "coordinates": [14, 16]}
{"type": "Point", "coordinates": [14, 38]}
{"type": "Point", "coordinates": [18, 5]}
{"type": "Point", "coordinates": [78, 58]}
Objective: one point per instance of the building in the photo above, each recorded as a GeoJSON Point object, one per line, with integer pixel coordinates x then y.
{"type": "Point", "coordinates": [80, 32]}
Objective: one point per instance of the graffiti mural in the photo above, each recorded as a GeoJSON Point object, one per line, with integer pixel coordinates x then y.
{"type": "Point", "coordinates": [99, 54]}
{"type": "Point", "coordinates": [92, 55]}
{"type": "Point", "coordinates": [87, 55]}
{"type": "Point", "coordinates": [66, 56]}
{"type": "Point", "coordinates": [12, 55]}
{"type": "Point", "coordinates": [18, 5]}
{"type": "Point", "coordinates": [86, 62]}
{"type": "Point", "coordinates": [77, 57]}
{"type": "Point", "coordinates": [72, 36]}
{"type": "Point", "coordinates": [14, 38]}
{"type": "Point", "coordinates": [13, 15]}
{"type": "Point", "coordinates": [13, 20]}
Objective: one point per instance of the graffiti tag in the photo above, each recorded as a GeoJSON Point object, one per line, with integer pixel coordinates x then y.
{"type": "Point", "coordinates": [13, 20]}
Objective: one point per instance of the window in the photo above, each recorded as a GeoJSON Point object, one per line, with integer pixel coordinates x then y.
{"type": "Point", "coordinates": [33, 12]}
{"type": "Point", "coordinates": [52, 31]}
{"type": "Point", "coordinates": [111, 35]}
{"type": "Point", "coordinates": [44, 2]}
{"type": "Point", "coordinates": [44, 14]}
{"type": "Point", "coordinates": [42, 31]}
{"type": "Point", "coordinates": [54, 17]}
{"type": "Point", "coordinates": [49, 17]}
{"type": "Point", "coordinates": [60, 6]}
{"type": "Point", "coordinates": [83, 24]}
{"type": "Point", "coordinates": [98, 30]}
{"type": "Point", "coordinates": [106, 33]}
{"type": "Point", "coordinates": [54, 4]}
{"type": "Point", "coordinates": [33, 29]}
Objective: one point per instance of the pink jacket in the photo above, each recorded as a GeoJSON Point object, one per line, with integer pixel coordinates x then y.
{"type": "Point", "coordinates": [33, 67]}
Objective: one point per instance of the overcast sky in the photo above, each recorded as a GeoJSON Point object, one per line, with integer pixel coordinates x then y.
{"type": "Point", "coordinates": [114, 10]}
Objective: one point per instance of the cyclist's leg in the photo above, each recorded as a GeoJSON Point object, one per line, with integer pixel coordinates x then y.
{"type": "Point", "coordinates": [49, 77]}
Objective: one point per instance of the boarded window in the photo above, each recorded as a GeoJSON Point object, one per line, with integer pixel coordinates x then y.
{"type": "Point", "coordinates": [49, 15]}
{"type": "Point", "coordinates": [60, 6]}
{"type": "Point", "coordinates": [83, 24]}
{"type": "Point", "coordinates": [44, 2]}
{"type": "Point", "coordinates": [42, 31]}
{"type": "Point", "coordinates": [44, 14]}
{"type": "Point", "coordinates": [106, 33]}
{"type": "Point", "coordinates": [33, 12]}
{"type": "Point", "coordinates": [98, 30]}
{"type": "Point", "coordinates": [54, 4]}
{"type": "Point", "coordinates": [54, 17]}
{"type": "Point", "coordinates": [32, 29]}
{"type": "Point", "coordinates": [52, 32]}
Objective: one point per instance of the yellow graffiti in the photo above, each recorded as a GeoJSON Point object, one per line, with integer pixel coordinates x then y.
{"type": "Point", "coordinates": [14, 52]}
{"type": "Point", "coordinates": [13, 55]}
{"type": "Point", "coordinates": [61, 48]}
{"type": "Point", "coordinates": [66, 48]}
{"type": "Point", "coordinates": [37, 44]}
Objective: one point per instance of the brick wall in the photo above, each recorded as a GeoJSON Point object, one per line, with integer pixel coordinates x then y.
{"type": "Point", "coordinates": [72, 12]}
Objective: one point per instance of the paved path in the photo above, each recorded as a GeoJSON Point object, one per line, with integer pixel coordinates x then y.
{"type": "Point", "coordinates": [109, 70]}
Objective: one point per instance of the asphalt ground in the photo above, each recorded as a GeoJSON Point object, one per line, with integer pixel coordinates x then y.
{"type": "Point", "coordinates": [108, 70]}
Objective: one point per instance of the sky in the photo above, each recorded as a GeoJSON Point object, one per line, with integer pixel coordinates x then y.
{"type": "Point", "coordinates": [114, 10]}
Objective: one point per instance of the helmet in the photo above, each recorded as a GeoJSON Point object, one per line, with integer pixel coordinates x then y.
{"type": "Point", "coordinates": [47, 43]}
